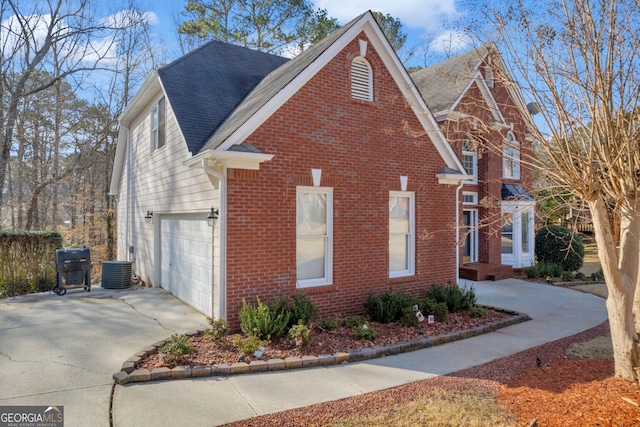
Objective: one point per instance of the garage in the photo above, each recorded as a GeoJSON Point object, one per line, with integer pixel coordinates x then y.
{"type": "Point", "coordinates": [186, 259]}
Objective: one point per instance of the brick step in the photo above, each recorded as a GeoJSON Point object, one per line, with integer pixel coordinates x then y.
{"type": "Point", "coordinates": [483, 271]}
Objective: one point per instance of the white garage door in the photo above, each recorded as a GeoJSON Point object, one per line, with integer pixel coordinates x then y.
{"type": "Point", "coordinates": [185, 260]}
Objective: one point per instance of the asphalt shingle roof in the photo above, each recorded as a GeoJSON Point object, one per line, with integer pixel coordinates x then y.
{"type": "Point", "coordinates": [272, 84]}
{"type": "Point", "coordinates": [206, 85]}
{"type": "Point", "coordinates": [442, 84]}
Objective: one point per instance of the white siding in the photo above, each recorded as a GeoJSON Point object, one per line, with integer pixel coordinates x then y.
{"type": "Point", "coordinates": [158, 182]}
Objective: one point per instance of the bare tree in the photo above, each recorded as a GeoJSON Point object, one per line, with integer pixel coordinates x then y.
{"type": "Point", "coordinates": [33, 37]}
{"type": "Point", "coordinates": [579, 61]}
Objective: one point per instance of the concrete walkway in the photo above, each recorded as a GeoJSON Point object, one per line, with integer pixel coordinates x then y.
{"type": "Point", "coordinates": [63, 350]}
{"type": "Point", "coordinates": [556, 313]}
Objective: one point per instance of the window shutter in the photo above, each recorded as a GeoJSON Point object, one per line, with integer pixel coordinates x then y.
{"type": "Point", "coordinates": [361, 79]}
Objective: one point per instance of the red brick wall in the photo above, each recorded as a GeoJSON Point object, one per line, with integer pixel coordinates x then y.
{"type": "Point", "coordinates": [363, 150]}
{"type": "Point", "coordinates": [490, 177]}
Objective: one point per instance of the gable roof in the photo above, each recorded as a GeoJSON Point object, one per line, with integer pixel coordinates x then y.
{"type": "Point", "coordinates": [204, 86]}
{"type": "Point", "coordinates": [215, 118]}
{"type": "Point", "coordinates": [284, 82]}
{"type": "Point", "coordinates": [272, 84]}
{"type": "Point", "coordinates": [442, 84]}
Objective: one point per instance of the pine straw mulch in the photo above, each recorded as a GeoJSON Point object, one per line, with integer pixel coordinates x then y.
{"type": "Point", "coordinates": [561, 392]}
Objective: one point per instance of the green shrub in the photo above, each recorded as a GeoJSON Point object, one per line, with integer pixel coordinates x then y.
{"type": "Point", "coordinates": [598, 275]}
{"type": "Point", "coordinates": [364, 332]}
{"type": "Point", "coordinates": [249, 345]}
{"type": "Point", "coordinates": [261, 322]}
{"type": "Point", "coordinates": [456, 298]}
{"type": "Point", "coordinates": [387, 307]}
{"type": "Point", "coordinates": [218, 331]}
{"type": "Point", "coordinates": [302, 333]}
{"type": "Point", "coordinates": [409, 317]}
{"type": "Point", "coordinates": [329, 324]}
{"type": "Point", "coordinates": [476, 312]}
{"type": "Point", "coordinates": [176, 348]}
{"type": "Point", "coordinates": [302, 310]}
{"type": "Point", "coordinates": [353, 321]}
{"type": "Point", "coordinates": [559, 245]}
{"type": "Point", "coordinates": [543, 269]}
{"type": "Point", "coordinates": [439, 310]}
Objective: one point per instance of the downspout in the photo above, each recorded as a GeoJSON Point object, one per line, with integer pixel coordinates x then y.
{"type": "Point", "coordinates": [222, 223]}
{"type": "Point", "coordinates": [458, 188]}
{"type": "Point", "coordinates": [128, 218]}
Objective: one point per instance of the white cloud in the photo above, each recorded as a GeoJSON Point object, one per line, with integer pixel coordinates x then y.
{"type": "Point", "coordinates": [450, 42]}
{"type": "Point", "coordinates": [424, 15]}
{"type": "Point", "coordinates": [128, 17]}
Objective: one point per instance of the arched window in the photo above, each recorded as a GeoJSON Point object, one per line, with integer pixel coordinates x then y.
{"type": "Point", "coordinates": [361, 79]}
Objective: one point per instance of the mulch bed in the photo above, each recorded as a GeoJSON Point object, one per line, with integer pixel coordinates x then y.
{"type": "Point", "coordinates": [561, 392]}
{"type": "Point", "coordinates": [208, 353]}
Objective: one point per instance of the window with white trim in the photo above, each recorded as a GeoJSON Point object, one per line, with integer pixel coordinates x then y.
{"type": "Point", "coordinates": [506, 234]}
{"type": "Point", "coordinates": [401, 234]}
{"type": "Point", "coordinates": [361, 79]}
{"type": "Point", "coordinates": [470, 160]}
{"type": "Point", "coordinates": [511, 157]}
{"type": "Point", "coordinates": [469, 198]}
{"type": "Point", "coordinates": [488, 77]}
{"type": "Point", "coordinates": [158, 115]}
{"type": "Point", "coordinates": [314, 236]}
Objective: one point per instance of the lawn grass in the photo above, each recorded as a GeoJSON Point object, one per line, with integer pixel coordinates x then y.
{"type": "Point", "coordinates": [439, 409]}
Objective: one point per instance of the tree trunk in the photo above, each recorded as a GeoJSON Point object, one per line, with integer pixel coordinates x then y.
{"type": "Point", "coordinates": [621, 275]}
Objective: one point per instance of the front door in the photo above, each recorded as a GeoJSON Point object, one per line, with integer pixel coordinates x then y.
{"type": "Point", "coordinates": [470, 230]}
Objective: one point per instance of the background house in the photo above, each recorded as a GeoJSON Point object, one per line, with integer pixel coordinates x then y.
{"type": "Point", "coordinates": [482, 116]}
{"type": "Point", "coordinates": [327, 173]}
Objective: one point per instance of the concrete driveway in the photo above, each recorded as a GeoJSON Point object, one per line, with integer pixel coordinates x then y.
{"type": "Point", "coordinates": [63, 350]}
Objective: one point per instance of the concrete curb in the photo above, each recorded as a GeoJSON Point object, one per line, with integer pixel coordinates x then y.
{"type": "Point", "coordinates": [128, 373]}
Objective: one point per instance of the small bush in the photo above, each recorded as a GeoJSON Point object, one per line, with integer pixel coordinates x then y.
{"type": "Point", "coordinates": [353, 321]}
{"type": "Point", "coordinates": [438, 309]}
{"type": "Point", "coordinates": [598, 275]}
{"type": "Point", "coordinates": [329, 324]}
{"type": "Point", "coordinates": [387, 307]}
{"type": "Point", "coordinates": [543, 269]}
{"type": "Point", "coordinates": [477, 312]}
{"type": "Point", "coordinates": [409, 317]}
{"type": "Point", "coordinates": [302, 309]}
{"type": "Point", "coordinates": [218, 331]}
{"type": "Point", "coordinates": [261, 322]}
{"type": "Point", "coordinates": [248, 345]}
{"type": "Point", "coordinates": [456, 298]}
{"type": "Point", "coordinates": [559, 245]}
{"type": "Point", "coordinates": [301, 333]}
{"type": "Point", "coordinates": [364, 332]}
{"type": "Point", "coordinates": [176, 348]}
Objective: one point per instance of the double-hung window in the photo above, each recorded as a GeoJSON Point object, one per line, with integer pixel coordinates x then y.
{"type": "Point", "coordinates": [158, 115]}
{"type": "Point", "coordinates": [314, 236]}
{"type": "Point", "coordinates": [470, 160]}
{"type": "Point", "coordinates": [401, 234]}
{"type": "Point", "coordinates": [511, 157]}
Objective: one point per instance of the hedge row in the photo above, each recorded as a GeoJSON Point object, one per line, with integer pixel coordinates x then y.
{"type": "Point", "coordinates": [27, 261]}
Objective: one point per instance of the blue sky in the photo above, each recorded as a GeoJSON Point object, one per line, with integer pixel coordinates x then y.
{"type": "Point", "coordinates": [428, 23]}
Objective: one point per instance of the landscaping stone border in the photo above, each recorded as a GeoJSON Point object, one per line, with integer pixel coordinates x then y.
{"type": "Point", "coordinates": [128, 373]}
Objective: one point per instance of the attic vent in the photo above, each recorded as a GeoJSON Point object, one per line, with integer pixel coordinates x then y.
{"type": "Point", "coordinates": [361, 79]}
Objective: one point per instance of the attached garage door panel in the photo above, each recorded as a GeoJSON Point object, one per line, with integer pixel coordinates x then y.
{"type": "Point", "coordinates": [186, 262]}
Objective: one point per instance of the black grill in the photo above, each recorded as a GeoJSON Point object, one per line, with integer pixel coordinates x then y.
{"type": "Point", "coordinates": [74, 265]}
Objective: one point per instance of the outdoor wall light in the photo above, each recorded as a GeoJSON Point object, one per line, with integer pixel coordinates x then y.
{"type": "Point", "coordinates": [212, 217]}
{"type": "Point", "coordinates": [148, 218]}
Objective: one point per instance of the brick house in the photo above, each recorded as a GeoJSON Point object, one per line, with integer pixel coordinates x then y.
{"type": "Point", "coordinates": [326, 174]}
{"type": "Point", "coordinates": [485, 120]}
